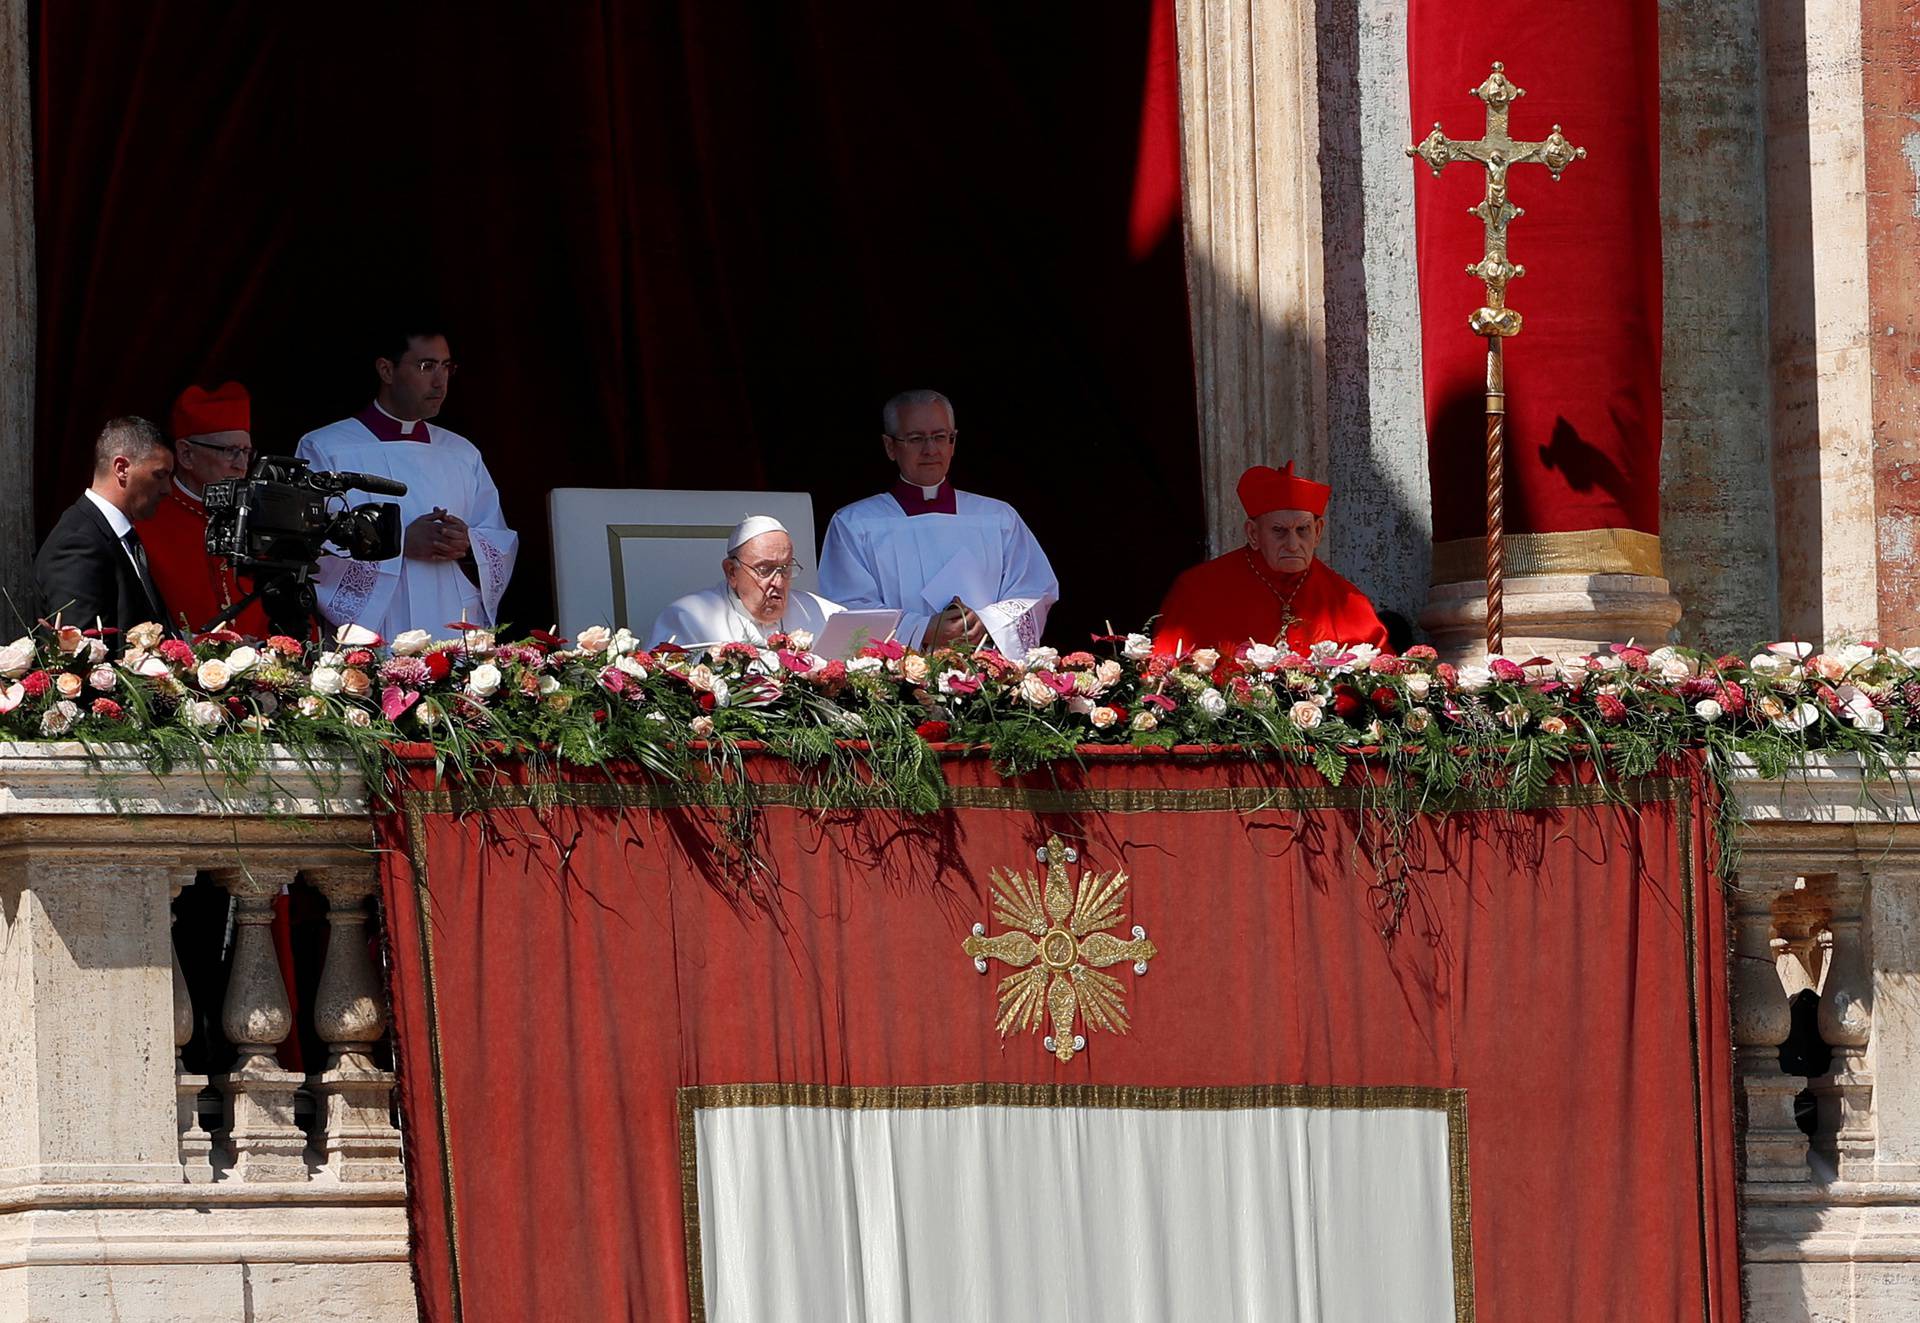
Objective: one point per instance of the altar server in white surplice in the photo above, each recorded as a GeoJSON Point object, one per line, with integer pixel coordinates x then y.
{"type": "Point", "coordinates": [756, 597]}
{"type": "Point", "coordinates": [960, 568]}
{"type": "Point", "coordinates": [458, 552]}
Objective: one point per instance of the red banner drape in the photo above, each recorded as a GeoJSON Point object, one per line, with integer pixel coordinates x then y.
{"type": "Point", "coordinates": [560, 973]}
{"type": "Point", "coordinates": [1583, 376]}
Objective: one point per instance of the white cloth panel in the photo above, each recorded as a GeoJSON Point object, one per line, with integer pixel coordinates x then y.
{"type": "Point", "coordinates": [1283, 1215]}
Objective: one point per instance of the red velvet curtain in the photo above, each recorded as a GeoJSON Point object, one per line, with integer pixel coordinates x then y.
{"type": "Point", "coordinates": [679, 244]}
{"type": "Point", "coordinates": [1583, 376]}
{"type": "Point", "coordinates": [1564, 967]}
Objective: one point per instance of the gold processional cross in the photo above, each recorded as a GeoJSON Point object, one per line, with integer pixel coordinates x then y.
{"type": "Point", "coordinates": [1497, 151]}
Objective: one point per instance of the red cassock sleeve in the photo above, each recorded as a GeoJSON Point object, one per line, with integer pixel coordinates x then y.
{"type": "Point", "coordinates": [196, 586]}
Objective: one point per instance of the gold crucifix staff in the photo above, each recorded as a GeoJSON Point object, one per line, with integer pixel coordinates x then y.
{"type": "Point", "coordinates": [1496, 150]}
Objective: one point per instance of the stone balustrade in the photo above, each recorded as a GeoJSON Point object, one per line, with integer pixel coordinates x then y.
{"type": "Point", "coordinates": [1826, 1032]}
{"type": "Point", "coordinates": [134, 1190]}
{"type": "Point", "coordinates": [131, 1189]}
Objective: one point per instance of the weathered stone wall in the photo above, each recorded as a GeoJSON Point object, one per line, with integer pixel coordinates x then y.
{"type": "Point", "coordinates": [1716, 498]}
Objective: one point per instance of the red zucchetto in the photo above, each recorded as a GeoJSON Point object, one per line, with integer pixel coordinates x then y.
{"type": "Point", "coordinates": [1264, 490]}
{"type": "Point", "coordinates": [199, 412]}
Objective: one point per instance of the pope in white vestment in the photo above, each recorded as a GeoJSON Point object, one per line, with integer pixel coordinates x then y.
{"type": "Point", "coordinates": [442, 470]}
{"type": "Point", "coordinates": [755, 598]}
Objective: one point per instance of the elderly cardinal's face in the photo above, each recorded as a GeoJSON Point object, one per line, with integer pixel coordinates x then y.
{"type": "Point", "coordinates": [1286, 539]}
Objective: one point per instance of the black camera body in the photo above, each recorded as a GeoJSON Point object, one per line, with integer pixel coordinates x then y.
{"type": "Point", "coordinates": [278, 519]}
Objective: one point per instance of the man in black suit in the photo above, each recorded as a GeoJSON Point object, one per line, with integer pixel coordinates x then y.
{"type": "Point", "coordinates": [92, 567]}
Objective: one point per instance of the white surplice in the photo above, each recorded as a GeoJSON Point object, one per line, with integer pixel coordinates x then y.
{"type": "Point", "coordinates": [392, 596]}
{"type": "Point", "coordinates": [877, 555]}
{"type": "Point", "coordinates": [717, 616]}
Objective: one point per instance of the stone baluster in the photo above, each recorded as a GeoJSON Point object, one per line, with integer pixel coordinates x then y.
{"type": "Point", "coordinates": [1845, 1092]}
{"type": "Point", "coordinates": [196, 1142]}
{"type": "Point", "coordinates": [354, 1130]}
{"type": "Point", "coordinates": [1776, 1150]}
{"type": "Point", "coordinates": [258, 1128]}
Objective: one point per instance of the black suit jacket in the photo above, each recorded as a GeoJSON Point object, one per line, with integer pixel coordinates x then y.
{"type": "Point", "coordinates": [83, 572]}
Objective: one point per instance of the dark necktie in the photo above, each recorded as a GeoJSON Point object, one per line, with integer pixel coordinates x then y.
{"type": "Point", "coordinates": [139, 553]}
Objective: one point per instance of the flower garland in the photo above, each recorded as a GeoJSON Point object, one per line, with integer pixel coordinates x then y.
{"type": "Point", "coordinates": [869, 723]}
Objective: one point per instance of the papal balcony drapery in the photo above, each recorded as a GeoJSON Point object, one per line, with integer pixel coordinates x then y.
{"type": "Point", "coordinates": [651, 1070]}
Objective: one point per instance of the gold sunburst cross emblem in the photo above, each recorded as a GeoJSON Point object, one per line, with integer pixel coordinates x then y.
{"type": "Point", "coordinates": [1057, 949]}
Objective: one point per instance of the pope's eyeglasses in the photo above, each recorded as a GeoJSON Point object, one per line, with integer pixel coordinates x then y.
{"type": "Point", "coordinates": [768, 573]}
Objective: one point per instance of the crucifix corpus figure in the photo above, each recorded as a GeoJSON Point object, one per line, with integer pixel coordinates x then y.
{"type": "Point", "coordinates": [1497, 151]}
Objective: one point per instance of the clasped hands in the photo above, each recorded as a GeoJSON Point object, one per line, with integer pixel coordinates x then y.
{"type": "Point", "coordinates": [953, 626]}
{"type": "Point", "coordinates": [437, 535]}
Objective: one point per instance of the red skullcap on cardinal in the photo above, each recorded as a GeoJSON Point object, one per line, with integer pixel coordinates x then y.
{"type": "Point", "coordinates": [200, 412]}
{"type": "Point", "coordinates": [1264, 490]}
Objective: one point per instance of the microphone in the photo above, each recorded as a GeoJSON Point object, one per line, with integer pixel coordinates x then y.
{"type": "Point", "coordinates": [372, 484]}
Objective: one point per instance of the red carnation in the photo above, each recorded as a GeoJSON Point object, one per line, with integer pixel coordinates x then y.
{"type": "Point", "coordinates": [1700, 686]}
{"type": "Point", "coordinates": [1732, 699]}
{"type": "Point", "coordinates": [1611, 709]}
{"type": "Point", "coordinates": [1727, 662]}
{"type": "Point", "coordinates": [285, 646]}
{"type": "Point", "coordinates": [932, 731]}
{"type": "Point", "coordinates": [106, 707]}
{"type": "Point", "coordinates": [1506, 671]}
{"type": "Point", "coordinates": [438, 664]}
{"type": "Point", "coordinates": [833, 672]}
{"type": "Point", "coordinates": [1421, 652]}
{"type": "Point", "coordinates": [176, 652]}
{"type": "Point", "coordinates": [359, 657]}
{"type": "Point", "coordinates": [708, 702]}
{"type": "Point", "coordinates": [1634, 658]}
{"type": "Point", "coordinates": [1385, 699]}
{"type": "Point", "coordinates": [1348, 705]}
{"type": "Point", "coordinates": [1078, 661]}
{"type": "Point", "coordinates": [1449, 675]}
{"type": "Point", "coordinates": [36, 683]}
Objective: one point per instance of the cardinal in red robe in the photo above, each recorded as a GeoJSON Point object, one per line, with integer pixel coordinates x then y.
{"type": "Point", "coordinates": [212, 439]}
{"type": "Point", "coordinates": [1273, 589]}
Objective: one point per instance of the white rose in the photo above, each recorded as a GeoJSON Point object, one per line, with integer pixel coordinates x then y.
{"type": "Point", "coordinates": [1418, 719]}
{"type": "Point", "coordinates": [411, 643]}
{"type": "Point", "coordinates": [16, 659]}
{"type": "Point", "coordinates": [914, 668]}
{"type": "Point", "coordinates": [1868, 718]}
{"type": "Point", "coordinates": [1138, 647]}
{"type": "Point", "coordinates": [720, 691]}
{"type": "Point", "coordinates": [213, 674]}
{"type": "Point", "coordinates": [1708, 710]}
{"type": "Point", "coordinates": [96, 651]}
{"type": "Point", "coordinates": [800, 640]}
{"type": "Point", "coordinates": [1204, 659]}
{"type": "Point", "coordinates": [1046, 657]}
{"type": "Point", "coordinates": [1473, 679]}
{"type": "Point", "coordinates": [548, 684]}
{"type": "Point", "coordinates": [1102, 717]}
{"type": "Point", "coordinates": [1212, 704]}
{"type": "Point", "coordinates": [1144, 719]}
{"type": "Point", "coordinates": [702, 726]}
{"type": "Point", "coordinates": [1036, 692]}
{"type": "Point", "coordinates": [103, 678]}
{"type": "Point", "coordinates": [241, 660]}
{"type": "Point", "coordinates": [428, 712]}
{"type": "Point", "coordinates": [1417, 686]}
{"type": "Point", "coordinates": [1109, 672]}
{"type": "Point", "coordinates": [1676, 668]}
{"type": "Point", "coordinates": [867, 665]}
{"type": "Point", "coordinates": [359, 718]}
{"type": "Point", "coordinates": [484, 680]}
{"type": "Point", "coordinates": [1911, 656]}
{"type": "Point", "coordinates": [311, 705]}
{"type": "Point", "coordinates": [623, 642]}
{"type": "Point", "coordinates": [1080, 705]}
{"type": "Point", "coordinates": [1262, 656]}
{"type": "Point", "coordinates": [334, 659]}
{"type": "Point", "coordinates": [203, 714]}
{"type": "Point", "coordinates": [356, 636]}
{"type": "Point", "coordinates": [59, 719]}
{"type": "Point", "coordinates": [325, 680]}
{"type": "Point", "coordinates": [1516, 717]}
{"type": "Point", "coordinates": [628, 666]}
{"type": "Point", "coordinates": [1304, 714]}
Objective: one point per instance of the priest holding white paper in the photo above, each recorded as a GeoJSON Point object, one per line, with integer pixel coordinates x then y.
{"type": "Point", "coordinates": [458, 552]}
{"type": "Point", "coordinates": [960, 568]}
{"type": "Point", "coordinates": [755, 598]}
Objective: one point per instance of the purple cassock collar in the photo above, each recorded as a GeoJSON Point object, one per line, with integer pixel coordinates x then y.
{"type": "Point", "coordinates": [385, 427]}
{"type": "Point", "coordinates": [913, 499]}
